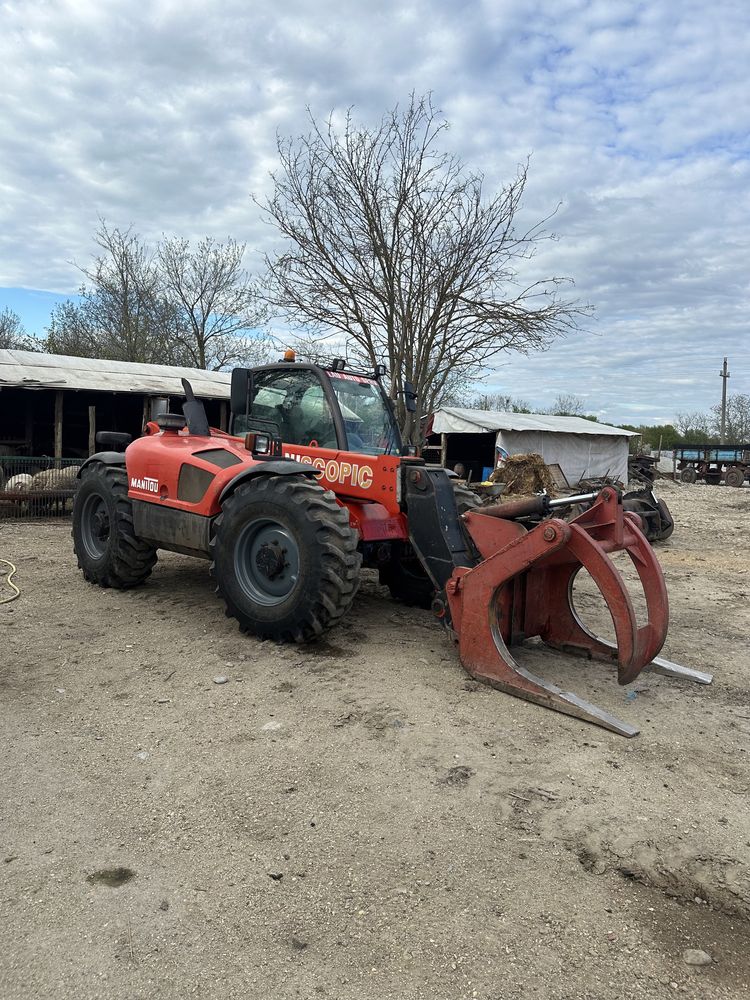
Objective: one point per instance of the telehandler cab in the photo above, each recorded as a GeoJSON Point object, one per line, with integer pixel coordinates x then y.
{"type": "Point", "coordinates": [312, 482]}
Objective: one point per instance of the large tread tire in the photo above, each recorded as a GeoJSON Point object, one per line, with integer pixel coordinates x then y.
{"type": "Point", "coordinates": [109, 552]}
{"type": "Point", "coordinates": [405, 576]}
{"type": "Point", "coordinates": [667, 521]}
{"type": "Point", "coordinates": [314, 588]}
{"type": "Point", "coordinates": [466, 499]}
{"type": "Point", "coordinates": [689, 474]}
{"type": "Point", "coordinates": [735, 477]}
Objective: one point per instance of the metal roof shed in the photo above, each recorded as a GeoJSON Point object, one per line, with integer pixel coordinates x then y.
{"type": "Point", "coordinates": [54, 403]}
{"type": "Point", "coordinates": [582, 448]}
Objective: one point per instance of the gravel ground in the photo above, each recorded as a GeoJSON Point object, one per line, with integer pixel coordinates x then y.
{"type": "Point", "coordinates": [359, 819]}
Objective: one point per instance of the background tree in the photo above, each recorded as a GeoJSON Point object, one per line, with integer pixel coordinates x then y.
{"type": "Point", "coordinates": [13, 337]}
{"type": "Point", "coordinates": [651, 436]}
{"type": "Point", "coordinates": [395, 245]}
{"type": "Point", "coordinates": [123, 314]}
{"type": "Point", "coordinates": [216, 308]}
{"type": "Point", "coordinates": [170, 305]}
{"type": "Point", "coordinates": [567, 405]}
{"type": "Point", "coordinates": [495, 401]}
{"type": "Point", "coordinates": [738, 418]}
{"type": "Point", "coordinates": [694, 428]}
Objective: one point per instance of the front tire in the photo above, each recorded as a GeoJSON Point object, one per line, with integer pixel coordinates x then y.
{"type": "Point", "coordinates": [689, 474]}
{"type": "Point", "coordinates": [109, 551]}
{"type": "Point", "coordinates": [285, 558]}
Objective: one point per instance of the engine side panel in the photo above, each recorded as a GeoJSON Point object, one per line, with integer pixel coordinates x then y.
{"type": "Point", "coordinates": [176, 530]}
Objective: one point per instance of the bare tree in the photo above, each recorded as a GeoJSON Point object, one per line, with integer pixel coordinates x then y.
{"type": "Point", "coordinates": [122, 313]}
{"type": "Point", "coordinates": [13, 337]}
{"type": "Point", "coordinates": [567, 405]}
{"type": "Point", "coordinates": [500, 402]}
{"type": "Point", "coordinates": [737, 418]}
{"type": "Point", "coordinates": [694, 425]}
{"type": "Point", "coordinates": [395, 245]}
{"type": "Point", "coordinates": [217, 309]}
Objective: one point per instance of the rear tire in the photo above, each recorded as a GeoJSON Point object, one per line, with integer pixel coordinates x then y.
{"type": "Point", "coordinates": [108, 549]}
{"type": "Point", "coordinates": [734, 477]}
{"type": "Point", "coordinates": [285, 558]}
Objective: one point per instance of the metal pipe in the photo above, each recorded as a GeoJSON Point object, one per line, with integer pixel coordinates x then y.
{"type": "Point", "coordinates": [569, 501]}
{"type": "Point", "coordinates": [534, 506]}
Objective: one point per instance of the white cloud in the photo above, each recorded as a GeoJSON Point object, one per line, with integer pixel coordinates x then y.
{"type": "Point", "coordinates": [636, 114]}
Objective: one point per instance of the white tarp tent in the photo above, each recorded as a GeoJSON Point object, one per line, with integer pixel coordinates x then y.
{"type": "Point", "coordinates": [581, 447]}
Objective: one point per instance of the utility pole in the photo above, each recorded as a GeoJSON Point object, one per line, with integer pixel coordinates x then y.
{"type": "Point", "coordinates": [724, 375]}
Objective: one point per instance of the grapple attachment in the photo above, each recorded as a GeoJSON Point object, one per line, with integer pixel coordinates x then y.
{"type": "Point", "coordinates": [523, 587]}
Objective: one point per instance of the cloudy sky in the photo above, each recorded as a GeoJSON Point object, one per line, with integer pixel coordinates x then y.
{"type": "Point", "coordinates": [636, 117]}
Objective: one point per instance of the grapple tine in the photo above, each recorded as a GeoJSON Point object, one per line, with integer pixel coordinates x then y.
{"type": "Point", "coordinates": [506, 674]}
{"type": "Point", "coordinates": [661, 666]}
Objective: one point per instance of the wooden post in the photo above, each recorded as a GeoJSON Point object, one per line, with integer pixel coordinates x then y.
{"type": "Point", "coordinates": [92, 430]}
{"type": "Point", "coordinates": [444, 450]}
{"type": "Point", "coordinates": [28, 430]}
{"type": "Point", "coordinates": [58, 427]}
{"type": "Point", "coordinates": [223, 415]}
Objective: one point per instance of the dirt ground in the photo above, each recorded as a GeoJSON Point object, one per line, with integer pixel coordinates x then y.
{"type": "Point", "coordinates": [359, 819]}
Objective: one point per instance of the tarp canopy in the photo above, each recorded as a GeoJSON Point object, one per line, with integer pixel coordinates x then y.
{"type": "Point", "coordinates": [582, 448]}
{"type": "Point", "coordinates": [456, 420]}
{"type": "Point", "coordinates": [580, 456]}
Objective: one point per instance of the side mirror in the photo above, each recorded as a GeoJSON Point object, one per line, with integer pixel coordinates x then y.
{"type": "Point", "coordinates": [240, 391]}
{"type": "Point", "coordinates": [410, 397]}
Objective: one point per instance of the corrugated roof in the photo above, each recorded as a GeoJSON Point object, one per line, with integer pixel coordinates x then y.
{"type": "Point", "coordinates": [456, 420]}
{"type": "Point", "coordinates": [26, 369]}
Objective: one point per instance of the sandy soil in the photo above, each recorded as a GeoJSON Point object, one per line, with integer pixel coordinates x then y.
{"type": "Point", "coordinates": [359, 819]}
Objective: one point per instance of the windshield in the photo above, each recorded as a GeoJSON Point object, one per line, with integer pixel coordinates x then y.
{"type": "Point", "coordinates": [370, 426]}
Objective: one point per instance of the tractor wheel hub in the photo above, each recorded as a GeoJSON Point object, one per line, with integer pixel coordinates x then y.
{"type": "Point", "coordinates": [270, 560]}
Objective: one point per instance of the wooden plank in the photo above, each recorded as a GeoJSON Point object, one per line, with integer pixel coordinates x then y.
{"type": "Point", "coordinates": [92, 430]}
{"type": "Point", "coordinates": [58, 427]}
{"type": "Point", "coordinates": [28, 430]}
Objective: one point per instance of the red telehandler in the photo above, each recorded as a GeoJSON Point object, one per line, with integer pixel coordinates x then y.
{"type": "Point", "coordinates": [313, 481]}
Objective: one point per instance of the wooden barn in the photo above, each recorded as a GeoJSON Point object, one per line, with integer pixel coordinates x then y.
{"type": "Point", "coordinates": [53, 405]}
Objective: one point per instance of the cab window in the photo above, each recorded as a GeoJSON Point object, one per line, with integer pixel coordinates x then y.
{"type": "Point", "coordinates": [294, 401]}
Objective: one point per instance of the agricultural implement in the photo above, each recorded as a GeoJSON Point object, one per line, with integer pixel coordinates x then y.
{"type": "Point", "coordinates": [312, 482]}
{"type": "Point", "coordinates": [714, 463]}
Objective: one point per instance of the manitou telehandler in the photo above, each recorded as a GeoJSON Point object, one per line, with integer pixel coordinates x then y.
{"type": "Point", "coordinates": [312, 482]}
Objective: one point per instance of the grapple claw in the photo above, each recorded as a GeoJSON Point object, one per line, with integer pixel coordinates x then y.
{"type": "Point", "coordinates": [523, 588]}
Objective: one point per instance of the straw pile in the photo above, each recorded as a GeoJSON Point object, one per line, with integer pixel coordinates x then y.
{"type": "Point", "coordinates": [524, 475]}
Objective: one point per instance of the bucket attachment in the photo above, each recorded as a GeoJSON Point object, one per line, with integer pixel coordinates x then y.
{"type": "Point", "coordinates": [523, 587]}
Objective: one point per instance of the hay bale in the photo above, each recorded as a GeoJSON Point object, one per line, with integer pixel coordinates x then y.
{"type": "Point", "coordinates": [524, 475]}
{"type": "Point", "coordinates": [55, 480]}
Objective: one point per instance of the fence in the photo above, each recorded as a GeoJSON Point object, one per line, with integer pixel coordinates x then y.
{"type": "Point", "coordinates": [37, 487]}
